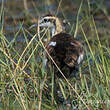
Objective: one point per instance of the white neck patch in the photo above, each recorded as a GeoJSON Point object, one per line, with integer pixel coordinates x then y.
{"type": "Point", "coordinates": [53, 31]}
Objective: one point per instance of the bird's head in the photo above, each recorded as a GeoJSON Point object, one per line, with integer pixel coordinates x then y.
{"type": "Point", "coordinates": [52, 22]}
{"type": "Point", "coordinates": [47, 21]}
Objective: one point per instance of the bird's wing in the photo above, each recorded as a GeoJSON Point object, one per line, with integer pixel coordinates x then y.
{"type": "Point", "coordinates": [73, 52]}
{"type": "Point", "coordinates": [71, 59]}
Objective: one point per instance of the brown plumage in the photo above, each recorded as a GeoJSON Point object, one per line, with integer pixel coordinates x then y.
{"type": "Point", "coordinates": [66, 51]}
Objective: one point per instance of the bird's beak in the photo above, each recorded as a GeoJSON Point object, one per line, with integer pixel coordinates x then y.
{"type": "Point", "coordinates": [34, 25]}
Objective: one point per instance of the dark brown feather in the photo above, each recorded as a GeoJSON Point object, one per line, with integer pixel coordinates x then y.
{"type": "Point", "coordinates": [65, 53]}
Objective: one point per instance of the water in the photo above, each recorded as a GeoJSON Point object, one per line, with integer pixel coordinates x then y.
{"type": "Point", "coordinates": [15, 13]}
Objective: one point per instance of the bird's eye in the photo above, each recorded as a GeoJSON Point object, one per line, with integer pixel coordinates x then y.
{"type": "Point", "coordinates": [45, 20]}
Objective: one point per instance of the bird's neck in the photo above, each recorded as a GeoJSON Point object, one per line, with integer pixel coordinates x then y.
{"type": "Point", "coordinates": [58, 28]}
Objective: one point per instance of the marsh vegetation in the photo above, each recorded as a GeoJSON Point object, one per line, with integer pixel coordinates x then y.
{"type": "Point", "coordinates": [24, 81]}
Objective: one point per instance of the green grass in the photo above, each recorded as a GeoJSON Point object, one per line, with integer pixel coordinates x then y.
{"type": "Point", "coordinates": [24, 81]}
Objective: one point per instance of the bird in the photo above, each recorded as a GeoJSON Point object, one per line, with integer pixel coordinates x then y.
{"type": "Point", "coordinates": [66, 52]}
